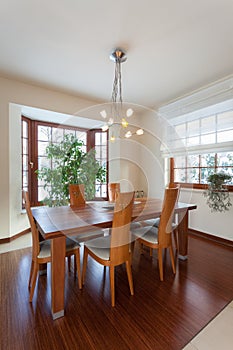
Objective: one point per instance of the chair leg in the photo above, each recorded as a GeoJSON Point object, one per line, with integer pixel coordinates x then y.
{"type": "Point", "coordinates": [172, 259]}
{"type": "Point", "coordinates": [75, 265]}
{"type": "Point", "coordinates": [78, 267]}
{"type": "Point", "coordinates": [132, 250]}
{"type": "Point", "coordinates": [175, 233]}
{"type": "Point", "coordinates": [30, 276]}
{"type": "Point", "coordinates": [112, 284]}
{"type": "Point", "coordinates": [85, 256]}
{"type": "Point", "coordinates": [160, 257]}
{"type": "Point", "coordinates": [69, 264]}
{"type": "Point", "coordinates": [130, 277]}
{"type": "Point", "coordinates": [33, 281]}
{"type": "Point", "coordinates": [151, 251]}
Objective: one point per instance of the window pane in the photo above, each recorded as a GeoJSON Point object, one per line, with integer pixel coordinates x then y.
{"type": "Point", "coordinates": [57, 134]}
{"type": "Point", "coordinates": [42, 147]}
{"type": "Point", "coordinates": [104, 152]}
{"type": "Point", "coordinates": [225, 159]}
{"type": "Point", "coordinates": [69, 132]}
{"type": "Point", "coordinates": [44, 133]}
{"type": "Point", "coordinates": [180, 175]}
{"type": "Point", "coordinates": [41, 194]}
{"type": "Point", "coordinates": [25, 146]}
{"type": "Point", "coordinates": [193, 175]}
{"type": "Point", "coordinates": [208, 138]}
{"type": "Point", "coordinates": [98, 152]}
{"type": "Point", "coordinates": [208, 160]}
{"type": "Point", "coordinates": [82, 136]}
{"type": "Point", "coordinates": [193, 161]}
{"type": "Point", "coordinates": [225, 120]}
{"type": "Point", "coordinates": [180, 162]}
{"type": "Point", "coordinates": [193, 141]}
{"type": "Point", "coordinates": [104, 138]}
{"type": "Point", "coordinates": [44, 162]}
{"type": "Point", "coordinates": [98, 139]}
{"type": "Point", "coordinates": [25, 129]}
{"type": "Point", "coordinates": [193, 128]}
{"type": "Point", "coordinates": [225, 136]}
{"type": "Point", "coordinates": [25, 162]}
{"type": "Point", "coordinates": [25, 179]}
{"type": "Point", "coordinates": [181, 130]}
{"type": "Point", "coordinates": [208, 124]}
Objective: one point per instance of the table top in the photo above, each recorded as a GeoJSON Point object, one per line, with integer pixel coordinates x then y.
{"type": "Point", "coordinates": [56, 221]}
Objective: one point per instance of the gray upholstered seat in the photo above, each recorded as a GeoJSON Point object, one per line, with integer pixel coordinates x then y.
{"type": "Point", "coordinates": [45, 247]}
{"type": "Point", "coordinates": [148, 233]}
{"type": "Point", "coordinates": [151, 222]}
{"type": "Point", "coordinates": [100, 247]}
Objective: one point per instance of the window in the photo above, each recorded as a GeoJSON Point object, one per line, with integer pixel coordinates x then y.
{"type": "Point", "coordinates": [198, 139]}
{"type": "Point", "coordinates": [37, 135]}
{"type": "Point", "coordinates": [100, 146]}
{"type": "Point", "coordinates": [202, 140]}
{"type": "Point", "coordinates": [25, 153]}
{"type": "Point", "coordinates": [194, 169]}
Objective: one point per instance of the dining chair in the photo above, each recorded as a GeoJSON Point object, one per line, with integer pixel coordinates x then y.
{"type": "Point", "coordinates": [155, 222]}
{"type": "Point", "coordinates": [41, 251]}
{"type": "Point", "coordinates": [160, 237]}
{"type": "Point", "coordinates": [113, 189]}
{"type": "Point", "coordinates": [78, 201]}
{"type": "Point", "coordinates": [114, 249]}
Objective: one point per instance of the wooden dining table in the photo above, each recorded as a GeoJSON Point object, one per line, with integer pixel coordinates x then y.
{"type": "Point", "coordinates": [56, 223]}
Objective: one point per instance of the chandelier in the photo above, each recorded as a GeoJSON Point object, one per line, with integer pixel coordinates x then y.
{"type": "Point", "coordinates": [119, 116]}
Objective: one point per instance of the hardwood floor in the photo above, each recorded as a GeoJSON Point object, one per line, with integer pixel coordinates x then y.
{"type": "Point", "coordinates": [161, 315]}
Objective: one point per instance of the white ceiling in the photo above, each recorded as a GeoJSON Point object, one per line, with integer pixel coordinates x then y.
{"type": "Point", "coordinates": [173, 46]}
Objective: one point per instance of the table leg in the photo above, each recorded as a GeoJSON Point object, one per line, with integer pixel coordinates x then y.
{"type": "Point", "coordinates": [183, 235]}
{"type": "Point", "coordinates": [58, 246]}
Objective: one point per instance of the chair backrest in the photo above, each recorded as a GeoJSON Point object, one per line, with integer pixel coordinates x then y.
{"type": "Point", "coordinates": [167, 215]}
{"type": "Point", "coordinates": [113, 189]}
{"type": "Point", "coordinates": [120, 234]}
{"type": "Point", "coordinates": [35, 233]}
{"type": "Point", "coordinates": [77, 195]}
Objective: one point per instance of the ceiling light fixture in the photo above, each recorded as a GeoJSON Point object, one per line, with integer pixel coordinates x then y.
{"type": "Point", "coordinates": [118, 119]}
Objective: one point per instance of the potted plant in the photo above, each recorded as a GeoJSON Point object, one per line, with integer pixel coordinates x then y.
{"type": "Point", "coordinates": [217, 194]}
{"type": "Point", "coordinates": [70, 166]}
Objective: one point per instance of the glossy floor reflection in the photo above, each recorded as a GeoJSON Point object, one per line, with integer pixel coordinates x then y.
{"type": "Point", "coordinates": [218, 334]}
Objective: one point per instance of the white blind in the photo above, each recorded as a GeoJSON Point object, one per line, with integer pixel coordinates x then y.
{"type": "Point", "coordinates": [203, 130]}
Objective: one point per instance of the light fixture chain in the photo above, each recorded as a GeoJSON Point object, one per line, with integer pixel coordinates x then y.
{"type": "Point", "coordinates": [117, 118]}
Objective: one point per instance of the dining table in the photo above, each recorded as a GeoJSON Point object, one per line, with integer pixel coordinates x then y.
{"type": "Point", "coordinates": [57, 223]}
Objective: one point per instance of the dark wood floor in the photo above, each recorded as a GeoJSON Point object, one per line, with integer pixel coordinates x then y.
{"type": "Point", "coordinates": [161, 315]}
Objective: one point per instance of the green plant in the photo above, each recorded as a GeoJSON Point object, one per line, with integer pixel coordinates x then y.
{"type": "Point", "coordinates": [217, 194]}
{"type": "Point", "coordinates": [70, 165]}
{"type": "Point", "coordinates": [218, 179]}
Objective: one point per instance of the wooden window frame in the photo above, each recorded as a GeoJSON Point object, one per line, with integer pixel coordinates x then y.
{"type": "Point", "coordinates": [33, 152]}
{"type": "Point", "coordinates": [198, 186]}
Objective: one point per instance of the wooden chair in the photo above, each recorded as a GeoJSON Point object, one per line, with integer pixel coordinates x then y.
{"type": "Point", "coordinates": [113, 189]}
{"type": "Point", "coordinates": [114, 250]}
{"type": "Point", "coordinates": [41, 251]}
{"type": "Point", "coordinates": [160, 237]}
{"type": "Point", "coordinates": [155, 222]}
{"type": "Point", "coordinates": [77, 200]}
